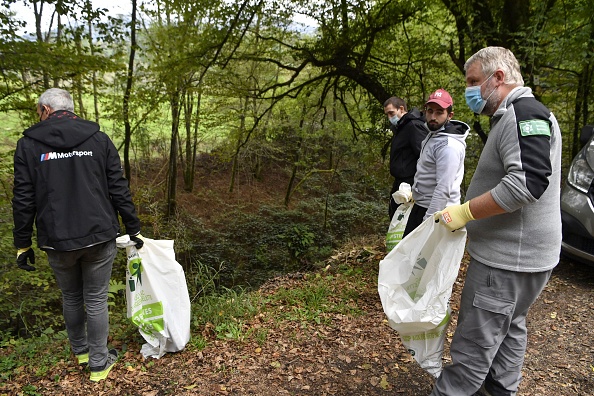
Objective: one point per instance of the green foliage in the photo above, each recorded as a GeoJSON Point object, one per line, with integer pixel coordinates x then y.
{"type": "Point", "coordinates": [198, 342]}
{"type": "Point", "coordinates": [231, 331]}
{"type": "Point", "coordinates": [116, 287]}
{"type": "Point", "coordinates": [7, 365]}
{"type": "Point", "coordinates": [316, 300]}
{"type": "Point", "coordinates": [31, 390]}
{"type": "Point", "coordinates": [31, 300]}
{"type": "Point", "coordinates": [37, 354]}
{"type": "Point", "coordinates": [225, 307]}
{"type": "Point", "coordinates": [298, 240]}
{"type": "Point", "coordinates": [248, 248]}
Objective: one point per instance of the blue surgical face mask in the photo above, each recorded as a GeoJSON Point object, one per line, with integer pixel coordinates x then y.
{"type": "Point", "coordinates": [474, 99]}
{"type": "Point", "coordinates": [394, 120]}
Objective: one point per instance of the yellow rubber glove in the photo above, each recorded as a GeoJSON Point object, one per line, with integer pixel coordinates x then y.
{"type": "Point", "coordinates": [455, 216]}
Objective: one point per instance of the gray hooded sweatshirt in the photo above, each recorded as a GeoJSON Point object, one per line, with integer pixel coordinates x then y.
{"type": "Point", "coordinates": [440, 168]}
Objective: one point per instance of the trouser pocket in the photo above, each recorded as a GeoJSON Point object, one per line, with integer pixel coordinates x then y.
{"type": "Point", "coordinates": [488, 320]}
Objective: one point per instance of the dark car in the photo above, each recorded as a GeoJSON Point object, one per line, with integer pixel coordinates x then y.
{"type": "Point", "coordinates": [577, 203]}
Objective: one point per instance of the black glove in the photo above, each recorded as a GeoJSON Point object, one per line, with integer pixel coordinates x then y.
{"type": "Point", "coordinates": [136, 239]}
{"type": "Point", "coordinates": [22, 256]}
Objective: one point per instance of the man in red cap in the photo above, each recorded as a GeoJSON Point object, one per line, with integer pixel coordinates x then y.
{"type": "Point", "coordinates": [440, 168]}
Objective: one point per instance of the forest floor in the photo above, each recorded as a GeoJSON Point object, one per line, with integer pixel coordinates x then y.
{"type": "Point", "coordinates": [345, 354]}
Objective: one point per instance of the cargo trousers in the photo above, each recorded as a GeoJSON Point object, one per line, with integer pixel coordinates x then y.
{"type": "Point", "coordinates": [491, 336]}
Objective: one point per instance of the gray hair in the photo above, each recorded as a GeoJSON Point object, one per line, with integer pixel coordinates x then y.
{"type": "Point", "coordinates": [493, 58]}
{"type": "Point", "coordinates": [56, 99]}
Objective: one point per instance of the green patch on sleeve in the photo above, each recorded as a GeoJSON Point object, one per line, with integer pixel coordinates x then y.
{"type": "Point", "coordinates": [534, 127]}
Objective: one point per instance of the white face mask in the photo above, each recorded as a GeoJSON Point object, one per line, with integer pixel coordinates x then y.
{"type": "Point", "coordinates": [394, 120]}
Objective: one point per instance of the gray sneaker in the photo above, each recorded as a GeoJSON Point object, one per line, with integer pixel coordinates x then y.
{"type": "Point", "coordinates": [100, 373]}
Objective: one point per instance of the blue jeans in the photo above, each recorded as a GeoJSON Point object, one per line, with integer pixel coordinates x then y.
{"type": "Point", "coordinates": [83, 277]}
{"type": "Point", "coordinates": [490, 339]}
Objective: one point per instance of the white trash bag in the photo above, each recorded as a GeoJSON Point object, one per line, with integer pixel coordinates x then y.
{"type": "Point", "coordinates": [415, 284]}
{"type": "Point", "coordinates": [157, 296]}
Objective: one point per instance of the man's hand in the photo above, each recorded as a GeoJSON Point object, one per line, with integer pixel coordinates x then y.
{"type": "Point", "coordinates": [455, 216]}
{"type": "Point", "coordinates": [23, 255]}
{"type": "Point", "coordinates": [401, 197]}
{"type": "Point", "coordinates": [404, 194]}
{"type": "Point", "coordinates": [137, 239]}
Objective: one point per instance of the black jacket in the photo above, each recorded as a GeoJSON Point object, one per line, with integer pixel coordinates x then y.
{"type": "Point", "coordinates": [409, 133]}
{"type": "Point", "coordinates": [68, 179]}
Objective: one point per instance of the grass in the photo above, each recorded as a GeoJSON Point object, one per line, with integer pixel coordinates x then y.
{"type": "Point", "coordinates": [36, 355]}
{"type": "Point", "coordinates": [232, 315]}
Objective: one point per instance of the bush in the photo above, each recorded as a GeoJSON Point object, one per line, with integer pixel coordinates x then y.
{"type": "Point", "coordinates": [249, 248]}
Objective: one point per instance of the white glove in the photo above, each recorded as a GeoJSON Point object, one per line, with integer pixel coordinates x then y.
{"type": "Point", "coordinates": [404, 194]}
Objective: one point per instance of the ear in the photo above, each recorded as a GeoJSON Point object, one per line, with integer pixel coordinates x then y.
{"type": "Point", "coordinates": [499, 75]}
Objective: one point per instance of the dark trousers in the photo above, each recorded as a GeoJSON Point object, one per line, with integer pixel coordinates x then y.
{"type": "Point", "coordinates": [415, 219]}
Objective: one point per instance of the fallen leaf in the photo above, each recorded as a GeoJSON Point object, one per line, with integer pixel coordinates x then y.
{"type": "Point", "coordinates": [384, 382]}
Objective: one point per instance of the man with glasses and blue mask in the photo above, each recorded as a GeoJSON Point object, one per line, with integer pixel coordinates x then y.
{"type": "Point", "coordinates": [513, 221]}
{"type": "Point", "coordinates": [409, 131]}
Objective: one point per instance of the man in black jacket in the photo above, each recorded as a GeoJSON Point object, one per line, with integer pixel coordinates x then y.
{"type": "Point", "coordinates": [409, 131]}
{"type": "Point", "coordinates": [68, 180]}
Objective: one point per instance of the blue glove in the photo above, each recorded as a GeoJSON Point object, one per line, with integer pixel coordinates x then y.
{"type": "Point", "coordinates": [23, 255]}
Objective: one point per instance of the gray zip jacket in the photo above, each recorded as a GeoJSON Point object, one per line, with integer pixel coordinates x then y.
{"type": "Point", "coordinates": [521, 166]}
{"type": "Point", "coordinates": [440, 168]}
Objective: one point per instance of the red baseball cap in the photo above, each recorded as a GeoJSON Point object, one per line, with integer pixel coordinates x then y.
{"type": "Point", "coordinates": [442, 98]}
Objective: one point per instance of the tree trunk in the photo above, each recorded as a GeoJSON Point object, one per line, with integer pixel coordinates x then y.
{"type": "Point", "coordinates": [126, 102]}
{"type": "Point", "coordinates": [38, 12]}
{"type": "Point", "coordinates": [94, 77]}
{"type": "Point", "coordinates": [575, 144]}
{"type": "Point", "coordinates": [173, 152]}
{"type": "Point", "coordinates": [235, 165]}
{"type": "Point", "coordinates": [78, 84]}
{"type": "Point", "coordinates": [296, 158]}
{"type": "Point", "coordinates": [188, 170]}
{"type": "Point", "coordinates": [240, 143]}
{"type": "Point", "coordinates": [293, 172]}
{"type": "Point", "coordinates": [195, 142]}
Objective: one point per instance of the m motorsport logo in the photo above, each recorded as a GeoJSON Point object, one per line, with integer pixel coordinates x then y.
{"type": "Point", "coordinates": [75, 153]}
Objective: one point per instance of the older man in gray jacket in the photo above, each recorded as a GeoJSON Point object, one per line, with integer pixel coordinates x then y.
{"type": "Point", "coordinates": [514, 228]}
